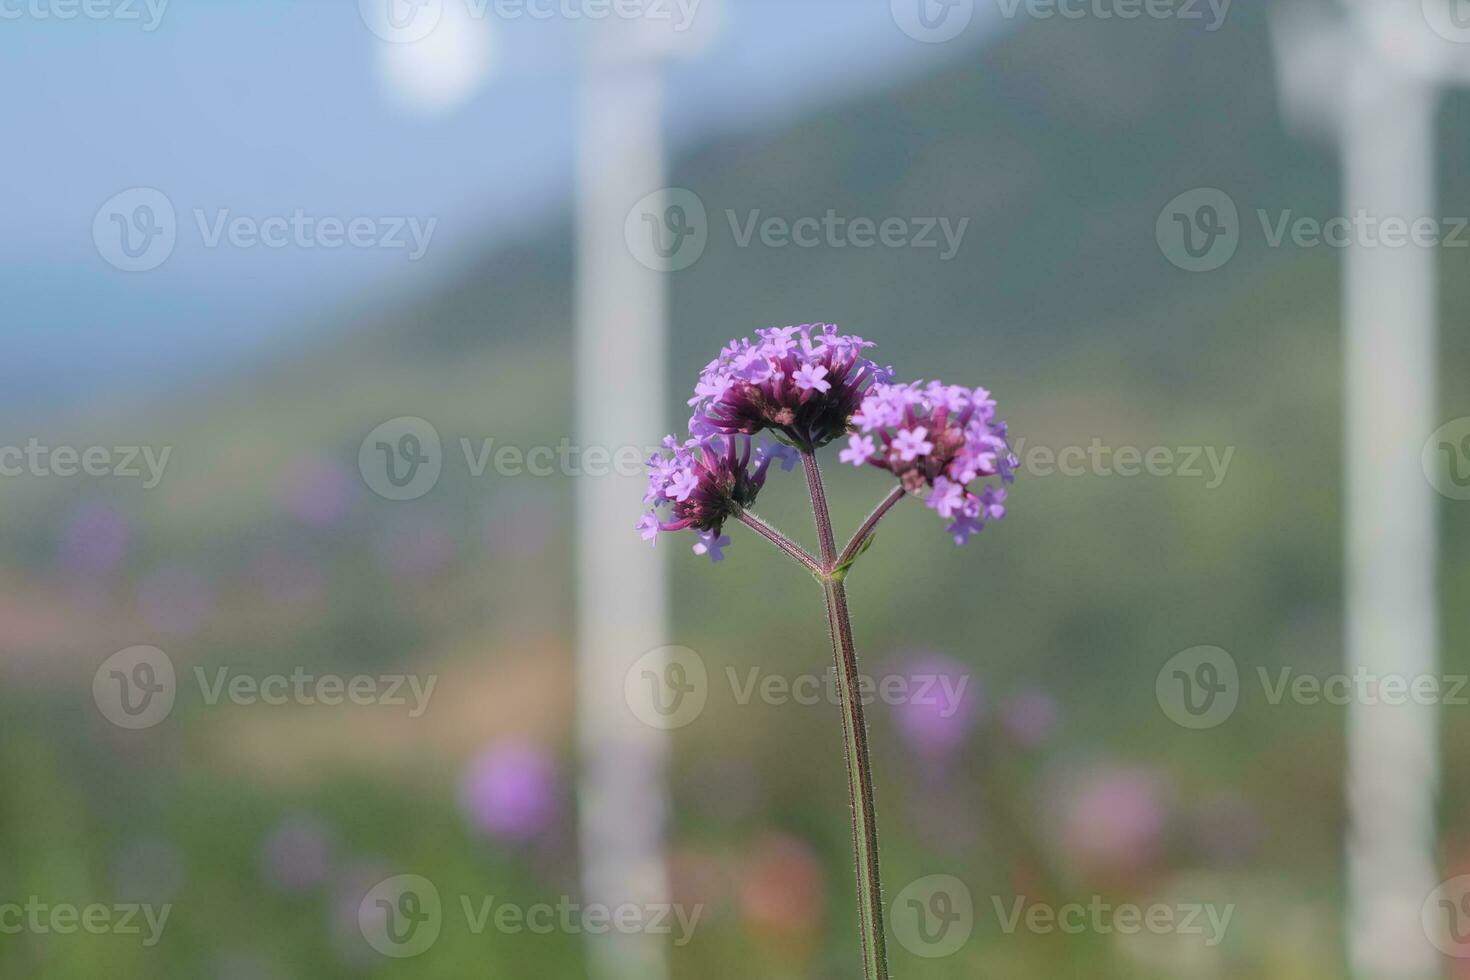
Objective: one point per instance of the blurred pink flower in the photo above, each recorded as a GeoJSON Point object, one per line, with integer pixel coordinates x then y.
{"type": "Point", "coordinates": [93, 540]}
{"type": "Point", "coordinates": [316, 492]}
{"type": "Point", "coordinates": [783, 892]}
{"type": "Point", "coordinates": [296, 856]}
{"type": "Point", "coordinates": [350, 885]}
{"type": "Point", "coordinates": [1111, 818]}
{"type": "Point", "coordinates": [510, 791]}
{"type": "Point", "coordinates": [414, 547]}
{"type": "Point", "coordinates": [518, 524]}
{"type": "Point", "coordinates": [1029, 717]}
{"type": "Point", "coordinates": [1228, 828]}
{"type": "Point", "coordinates": [149, 870]}
{"type": "Point", "coordinates": [287, 579]}
{"type": "Point", "coordinates": [941, 703]}
{"type": "Point", "coordinates": [175, 599]}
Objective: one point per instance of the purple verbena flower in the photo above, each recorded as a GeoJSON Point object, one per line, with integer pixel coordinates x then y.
{"type": "Point", "coordinates": [803, 382]}
{"type": "Point", "coordinates": [705, 482]}
{"type": "Point", "coordinates": [942, 438]}
{"type": "Point", "coordinates": [713, 544]}
{"type": "Point", "coordinates": [859, 450]}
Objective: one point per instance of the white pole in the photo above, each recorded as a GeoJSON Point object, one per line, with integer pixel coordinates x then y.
{"type": "Point", "coordinates": [1392, 620]}
{"type": "Point", "coordinates": [1372, 78]}
{"type": "Point", "coordinates": [621, 582]}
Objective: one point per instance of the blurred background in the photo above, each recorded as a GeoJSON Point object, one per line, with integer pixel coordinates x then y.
{"type": "Point", "coordinates": [291, 465]}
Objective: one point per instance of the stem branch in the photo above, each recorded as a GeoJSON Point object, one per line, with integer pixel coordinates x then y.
{"type": "Point", "coordinates": [781, 541]}
{"type": "Point", "coordinates": [866, 530]}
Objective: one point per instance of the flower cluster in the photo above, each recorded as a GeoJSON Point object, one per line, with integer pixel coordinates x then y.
{"type": "Point", "coordinates": [705, 481]}
{"type": "Point", "coordinates": [803, 382]}
{"type": "Point", "coordinates": [810, 385]}
{"type": "Point", "coordinates": [940, 438]}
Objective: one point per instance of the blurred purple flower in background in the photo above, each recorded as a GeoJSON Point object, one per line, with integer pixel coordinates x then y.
{"type": "Point", "coordinates": [509, 791]}
{"type": "Point", "coordinates": [93, 540]}
{"type": "Point", "coordinates": [1111, 818]}
{"type": "Point", "coordinates": [415, 546]}
{"type": "Point", "coordinates": [243, 966]}
{"type": "Point", "coordinates": [1228, 828]}
{"type": "Point", "coordinates": [175, 599]}
{"type": "Point", "coordinates": [316, 492]}
{"type": "Point", "coordinates": [1029, 717]}
{"type": "Point", "coordinates": [518, 524]}
{"type": "Point", "coordinates": [149, 870]}
{"type": "Point", "coordinates": [296, 856]}
{"type": "Point", "coordinates": [286, 579]}
{"type": "Point", "coordinates": [350, 885]}
{"type": "Point", "coordinates": [941, 707]}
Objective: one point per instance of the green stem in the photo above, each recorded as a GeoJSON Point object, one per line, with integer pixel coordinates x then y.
{"type": "Point", "coordinates": [855, 739]}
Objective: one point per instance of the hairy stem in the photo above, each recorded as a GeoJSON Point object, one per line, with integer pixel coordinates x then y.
{"type": "Point", "coordinates": [866, 530]}
{"type": "Point", "coordinates": [855, 740]}
{"type": "Point", "coordinates": [781, 541]}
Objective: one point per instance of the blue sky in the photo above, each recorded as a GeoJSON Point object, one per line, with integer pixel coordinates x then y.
{"type": "Point", "coordinates": [267, 107]}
